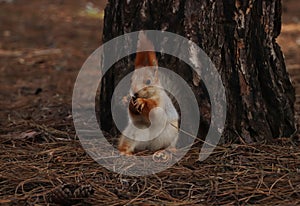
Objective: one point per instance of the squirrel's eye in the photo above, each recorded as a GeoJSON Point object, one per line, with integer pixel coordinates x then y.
{"type": "Point", "coordinates": [148, 81]}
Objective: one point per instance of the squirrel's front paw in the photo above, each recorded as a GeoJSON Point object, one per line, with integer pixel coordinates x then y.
{"type": "Point", "coordinates": [139, 104]}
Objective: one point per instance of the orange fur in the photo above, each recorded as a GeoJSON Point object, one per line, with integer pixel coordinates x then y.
{"type": "Point", "coordinates": [124, 148]}
{"type": "Point", "coordinates": [146, 58]}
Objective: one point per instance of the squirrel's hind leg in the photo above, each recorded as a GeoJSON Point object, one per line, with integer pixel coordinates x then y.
{"type": "Point", "coordinates": [126, 146]}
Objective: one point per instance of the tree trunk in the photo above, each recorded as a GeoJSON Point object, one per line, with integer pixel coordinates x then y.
{"type": "Point", "coordinates": [239, 37]}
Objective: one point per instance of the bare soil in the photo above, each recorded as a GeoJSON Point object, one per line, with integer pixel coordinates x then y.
{"type": "Point", "coordinates": [43, 45]}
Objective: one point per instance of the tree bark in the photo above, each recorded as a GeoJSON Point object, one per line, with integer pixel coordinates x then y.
{"type": "Point", "coordinates": [239, 37]}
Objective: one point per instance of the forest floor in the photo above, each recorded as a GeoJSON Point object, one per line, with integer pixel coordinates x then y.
{"type": "Point", "coordinates": [43, 44]}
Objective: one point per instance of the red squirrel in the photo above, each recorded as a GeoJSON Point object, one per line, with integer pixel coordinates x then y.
{"type": "Point", "coordinates": [159, 128]}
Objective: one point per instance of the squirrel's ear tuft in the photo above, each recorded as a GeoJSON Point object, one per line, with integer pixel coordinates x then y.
{"type": "Point", "coordinates": [145, 52]}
